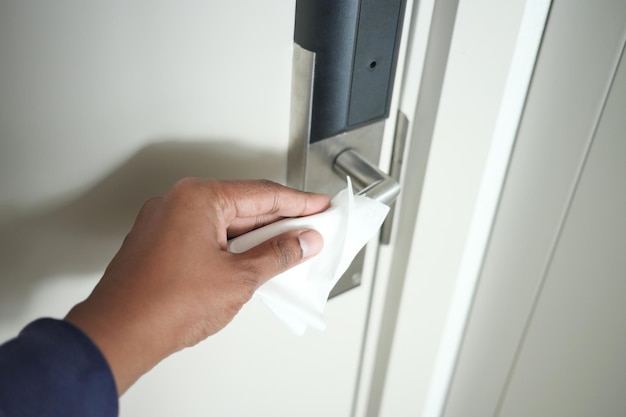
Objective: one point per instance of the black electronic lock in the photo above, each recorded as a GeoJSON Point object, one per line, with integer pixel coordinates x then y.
{"type": "Point", "coordinates": [356, 46]}
{"type": "Point", "coordinates": [344, 64]}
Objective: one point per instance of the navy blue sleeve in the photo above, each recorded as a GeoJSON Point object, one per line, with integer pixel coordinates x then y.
{"type": "Point", "coordinates": [53, 369]}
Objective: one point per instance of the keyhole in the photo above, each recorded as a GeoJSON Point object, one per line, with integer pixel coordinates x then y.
{"type": "Point", "coordinates": [373, 65]}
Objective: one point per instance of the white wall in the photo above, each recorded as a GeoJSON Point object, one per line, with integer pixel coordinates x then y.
{"type": "Point", "coordinates": [546, 330]}
{"type": "Point", "coordinates": [546, 335]}
{"type": "Point", "coordinates": [570, 360]}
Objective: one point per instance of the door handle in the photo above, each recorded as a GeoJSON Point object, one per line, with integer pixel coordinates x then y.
{"type": "Point", "coordinates": [368, 179]}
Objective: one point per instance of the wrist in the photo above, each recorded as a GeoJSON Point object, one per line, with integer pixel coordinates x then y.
{"type": "Point", "coordinates": [126, 345]}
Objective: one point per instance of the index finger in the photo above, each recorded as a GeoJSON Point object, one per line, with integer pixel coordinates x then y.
{"type": "Point", "coordinates": [265, 200]}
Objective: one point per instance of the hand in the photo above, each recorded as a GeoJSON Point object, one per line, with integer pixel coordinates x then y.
{"type": "Point", "coordinates": [173, 283]}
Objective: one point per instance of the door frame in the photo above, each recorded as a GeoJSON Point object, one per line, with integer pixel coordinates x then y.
{"type": "Point", "coordinates": [515, 297]}
{"type": "Point", "coordinates": [465, 81]}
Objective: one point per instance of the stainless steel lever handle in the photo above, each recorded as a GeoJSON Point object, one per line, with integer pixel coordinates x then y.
{"type": "Point", "coordinates": [367, 178]}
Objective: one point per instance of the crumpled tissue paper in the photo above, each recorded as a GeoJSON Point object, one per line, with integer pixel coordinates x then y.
{"type": "Point", "coordinates": [298, 296]}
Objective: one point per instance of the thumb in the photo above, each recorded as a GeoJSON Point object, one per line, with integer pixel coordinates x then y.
{"type": "Point", "coordinates": [282, 252]}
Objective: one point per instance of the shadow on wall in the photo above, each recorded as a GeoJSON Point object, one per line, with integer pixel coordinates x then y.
{"type": "Point", "coordinates": [81, 236]}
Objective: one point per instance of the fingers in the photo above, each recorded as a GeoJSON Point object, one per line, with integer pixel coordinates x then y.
{"type": "Point", "coordinates": [249, 204]}
{"type": "Point", "coordinates": [280, 253]}
{"type": "Point", "coordinates": [242, 225]}
{"type": "Point", "coordinates": [240, 206]}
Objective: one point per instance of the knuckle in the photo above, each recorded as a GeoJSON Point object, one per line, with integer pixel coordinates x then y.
{"type": "Point", "coordinates": [285, 252]}
{"type": "Point", "coordinates": [184, 186]}
{"type": "Point", "coordinates": [272, 188]}
{"type": "Point", "coordinates": [150, 204]}
{"type": "Point", "coordinates": [249, 274]}
{"type": "Point", "coordinates": [190, 191]}
{"type": "Point", "coordinates": [270, 185]}
{"type": "Point", "coordinates": [149, 207]}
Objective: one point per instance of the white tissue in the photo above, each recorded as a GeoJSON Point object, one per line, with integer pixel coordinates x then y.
{"type": "Point", "coordinates": [298, 296]}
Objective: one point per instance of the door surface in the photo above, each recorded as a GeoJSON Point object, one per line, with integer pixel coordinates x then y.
{"type": "Point", "coordinates": [106, 104]}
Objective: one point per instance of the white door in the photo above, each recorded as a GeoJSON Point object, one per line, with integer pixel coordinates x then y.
{"type": "Point", "coordinates": [105, 104]}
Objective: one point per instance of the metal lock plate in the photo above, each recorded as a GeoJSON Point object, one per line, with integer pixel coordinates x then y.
{"type": "Point", "coordinates": [311, 166]}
